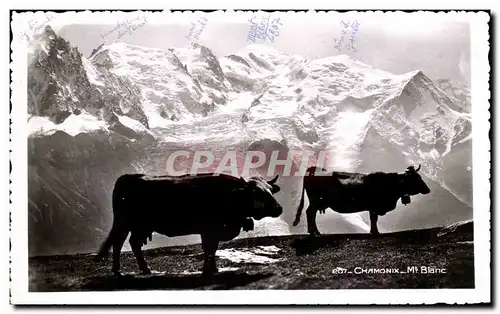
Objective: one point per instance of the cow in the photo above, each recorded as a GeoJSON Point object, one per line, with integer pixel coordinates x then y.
{"type": "Point", "coordinates": [346, 193]}
{"type": "Point", "coordinates": [216, 206]}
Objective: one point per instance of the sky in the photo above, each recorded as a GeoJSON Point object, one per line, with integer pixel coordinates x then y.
{"type": "Point", "coordinates": [439, 47]}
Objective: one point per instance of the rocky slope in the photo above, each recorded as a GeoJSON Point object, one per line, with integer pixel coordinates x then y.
{"type": "Point", "coordinates": [334, 261]}
{"type": "Point", "coordinates": [62, 83]}
{"type": "Point", "coordinates": [458, 92]}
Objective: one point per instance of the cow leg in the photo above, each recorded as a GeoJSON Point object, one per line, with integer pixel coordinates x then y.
{"type": "Point", "coordinates": [119, 238]}
{"type": "Point", "coordinates": [312, 228]}
{"type": "Point", "coordinates": [209, 243]}
{"type": "Point", "coordinates": [373, 223]}
{"type": "Point", "coordinates": [136, 245]}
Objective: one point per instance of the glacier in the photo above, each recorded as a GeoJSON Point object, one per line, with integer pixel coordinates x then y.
{"type": "Point", "coordinates": [126, 108]}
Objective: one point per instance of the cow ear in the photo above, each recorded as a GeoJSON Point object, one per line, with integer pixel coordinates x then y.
{"type": "Point", "coordinates": [275, 189]}
{"type": "Point", "coordinates": [273, 181]}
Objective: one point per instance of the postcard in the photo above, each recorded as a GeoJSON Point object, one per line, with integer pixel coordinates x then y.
{"type": "Point", "coordinates": [250, 157]}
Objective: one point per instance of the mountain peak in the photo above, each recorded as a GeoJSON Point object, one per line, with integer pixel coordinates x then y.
{"type": "Point", "coordinates": [63, 84]}
{"type": "Point", "coordinates": [418, 79]}
{"type": "Point", "coordinates": [416, 75]}
{"type": "Point", "coordinates": [364, 118]}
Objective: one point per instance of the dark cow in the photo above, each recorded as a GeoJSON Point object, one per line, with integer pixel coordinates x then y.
{"type": "Point", "coordinates": [346, 193]}
{"type": "Point", "coordinates": [214, 206]}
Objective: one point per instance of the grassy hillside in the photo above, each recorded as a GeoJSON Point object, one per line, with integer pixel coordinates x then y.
{"type": "Point", "coordinates": [280, 262]}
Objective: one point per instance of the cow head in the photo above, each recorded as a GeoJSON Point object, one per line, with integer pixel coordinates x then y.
{"type": "Point", "coordinates": [413, 182]}
{"type": "Point", "coordinates": [259, 195]}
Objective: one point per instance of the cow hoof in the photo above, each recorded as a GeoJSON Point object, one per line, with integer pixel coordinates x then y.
{"type": "Point", "coordinates": [117, 274]}
{"type": "Point", "coordinates": [209, 271]}
{"type": "Point", "coordinates": [208, 274]}
{"type": "Point", "coordinates": [315, 234]}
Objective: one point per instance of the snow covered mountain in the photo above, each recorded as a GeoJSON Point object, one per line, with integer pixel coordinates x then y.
{"type": "Point", "coordinates": [169, 90]}
{"type": "Point", "coordinates": [126, 108]}
{"type": "Point", "coordinates": [458, 92]}
{"type": "Point", "coordinates": [63, 85]}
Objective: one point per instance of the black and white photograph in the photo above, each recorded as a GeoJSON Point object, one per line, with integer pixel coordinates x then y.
{"type": "Point", "coordinates": [332, 157]}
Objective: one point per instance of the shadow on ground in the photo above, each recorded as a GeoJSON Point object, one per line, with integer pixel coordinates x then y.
{"type": "Point", "coordinates": [307, 245]}
{"type": "Point", "coordinates": [222, 280]}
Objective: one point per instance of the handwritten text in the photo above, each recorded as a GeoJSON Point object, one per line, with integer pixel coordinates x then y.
{"type": "Point", "coordinates": [347, 27]}
{"type": "Point", "coordinates": [196, 29]}
{"type": "Point", "coordinates": [35, 26]}
{"type": "Point", "coordinates": [263, 28]}
{"type": "Point", "coordinates": [126, 27]}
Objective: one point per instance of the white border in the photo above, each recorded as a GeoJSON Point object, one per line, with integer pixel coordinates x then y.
{"type": "Point", "coordinates": [480, 96]}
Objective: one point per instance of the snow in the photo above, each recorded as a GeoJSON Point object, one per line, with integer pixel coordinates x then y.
{"type": "Point", "coordinates": [355, 219]}
{"type": "Point", "coordinates": [240, 102]}
{"type": "Point", "coordinates": [198, 272]}
{"type": "Point", "coordinates": [468, 138]}
{"type": "Point", "coordinates": [338, 98]}
{"type": "Point", "coordinates": [133, 124]}
{"type": "Point", "coordinates": [162, 77]}
{"type": "Point", "coordinates": [92, 73]}
{"type": "Point", "coordinates": [453, 227]}
{"type": "Point", "coordinates": [348, 133]}
{"type": "Point", "coordinates": [73, 125]}
{"type": "Point", "coordinates": [267, 227]}
{"type": "Point", "coordinates": [257, 255]}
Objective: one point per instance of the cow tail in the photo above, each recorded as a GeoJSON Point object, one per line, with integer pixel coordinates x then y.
{"type": "Point", "coordinates": [299, 209]}
{"type": "Point", "coordinates": [106, 245]}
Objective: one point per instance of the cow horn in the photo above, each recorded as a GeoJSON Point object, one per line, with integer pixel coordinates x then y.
{"type": "Point", "coordinates": [419, 165]}
{"type": "Point", "coordinates": [273, 181]}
